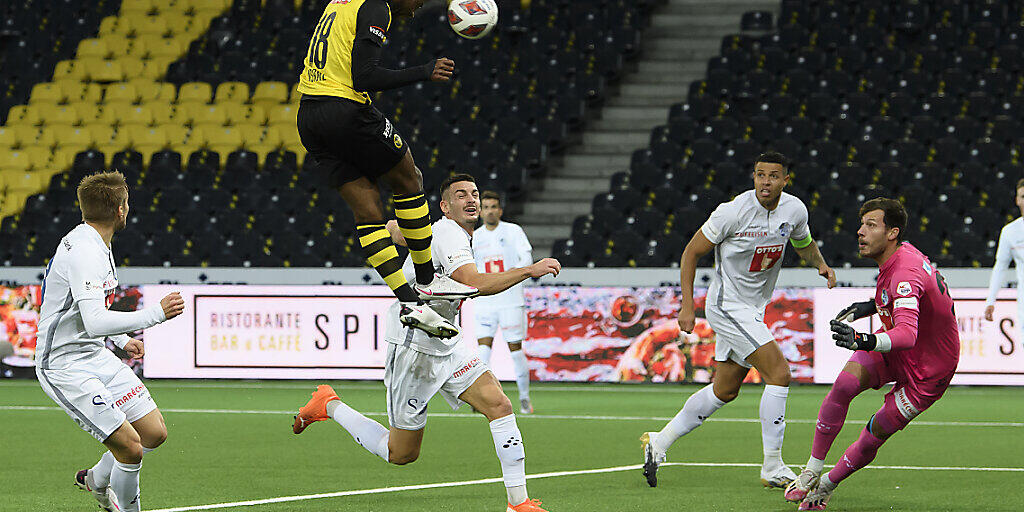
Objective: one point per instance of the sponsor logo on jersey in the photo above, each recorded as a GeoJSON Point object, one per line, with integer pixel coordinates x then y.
{"type": "Point", "coordinates": [750, 234]}
{"type": "Point", "coordinates": [785, 230]}
{"type": "Point", "coordinates": [905, 302]}
{"type": "Point", "coordinates": [98, 401]}
{"type": "Point", "coordinates": [130, 395]}
{"type": "Point", "coordinates": [67, 244]}
{"type": "Point", "coordinates": [905, 406]}
{"type": "Point", "coordinates": [903, 288]}
{"type": "Point", "coordinates": [765, 257]}
{"type": "Point", "coordinates": [927, 267]}
{"type": "Point", "coordinates": [343, 2]}
{"type": "Point", "coordinates": [467, 367]}
{"type": "Point", "coordinates": [885, 297]}
{"type": "Point", "coordinates": [388, 128]}
{"type": "Point", "coordinates": [398, 141]}
{"type": "Point", "coordinates": [379, 32]}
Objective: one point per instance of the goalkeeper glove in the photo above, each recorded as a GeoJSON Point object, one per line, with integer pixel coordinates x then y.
{"type": "Point", "coordinates": [857, 310]}
{"type": "Point", "coordinates": [846, 337]}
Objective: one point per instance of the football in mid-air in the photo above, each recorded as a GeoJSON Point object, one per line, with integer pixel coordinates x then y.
{"type": "Point", "coordinates": [472, 19]}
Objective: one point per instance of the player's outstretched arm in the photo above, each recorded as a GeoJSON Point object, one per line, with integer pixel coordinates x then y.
{"type": "Point", "coordinates": [812, 255]}
{"type": "Point", "coordinates": [99, 321]}
{"type": "Point", "coordinates": [699, 246]}
{"type": "Point", "coordinates": [490, 284]}
{"type": "Point", "coordinates": [367, 75]}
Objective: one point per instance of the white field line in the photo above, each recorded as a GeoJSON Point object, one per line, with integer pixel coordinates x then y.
{"type": "Point", "coordinates": [614, 469]}
{"type": "Point", "coordinates": [543, 416]}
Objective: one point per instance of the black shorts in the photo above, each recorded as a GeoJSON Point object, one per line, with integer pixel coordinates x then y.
{"type": "Point", "coordinates": [348, 140]}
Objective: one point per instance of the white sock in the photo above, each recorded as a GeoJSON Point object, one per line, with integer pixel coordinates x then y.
{"type": "Point", "coordinates": [124, 481]}
{"type": "Point", "coordinates": [368, 433]}
{"type": "Point", "coordinates": [100, 473]}
{"type": "Point", "coordinates": [816, 465]}
{"type": "Point", "coordinates": [508, 444]}
{"type": "Point", "coordinates": [697, 408]}
{"type": "Point", "coordinates": [773, 424]}
{"type": "Point", "coordinates": [484, 351]}
{"type": "Point", "coordinates": [825, 484]}
{"type": "Point", "coordinates": [522, 368]}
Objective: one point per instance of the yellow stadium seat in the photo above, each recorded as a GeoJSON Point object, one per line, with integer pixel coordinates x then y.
{"type": "Point", "coordinates": [62, 135]}
{"type": "Point", "coordinates": [194, 92]}
{"type": "Point", "coordinates": [93, 48]}
{"type": "Point", "coordinates": [270, 93]}
{"type": "Point", "coordinates": [272, 137]}
{"type": "Point", "coordinates": [232, 92]}
{"type": "Point", "coordinates": [251, 134]}
{"type": "Point", "coordinates": [105, 71]}
{"type": "Point", "coordinates": [118, 142]}
{"type": "Point", "coordinates": [136, 117]}
{"type": "Point", "coordinates": [18, 135]}
{"type": "Point", "coordinates": [101, 134]}
{"type": "Point", "coordinates": [21, 184]}
{"type": "Point", "coordinates": [136, 7]}
{"type": "Point", "coordinates": [47, 92]}
{"type": "Point", "coordinates": [23, 115]}
{"type": "Point", "coordinates": [299, 150]}
{"type": "Point", "coordinates": [110, 112]}
{"type": "Point", "coordinates": [149, 140]}
{"type": "Point", "coordinates": [76, 90]}
{"type": "Point", "coordinates": [88, 112]}
{"type": "Point", "coordinates": [121, 92]}
{"type": "Point", "coordinates": [283, 115]}
{"type": "Point", "coordinates": [289, 136]}
{"type": "Point", "coordinates": [221, 140]}
{"type": "Point", "coordinates": [151, 91]}
{"type": "Point", "coordinates": [177, 135]}
{"type": "Point", "coordinates": [63, 158]}
{"type": "Point", "coordinates": [215, 115]}
{"type": "Point", "coordinates": [119, 44]}
{"type": "Point", "coordinates": [164, 48]}
{"type": "Point", "coordinates": [295, 95]}
{"type": "Point", "coordinates": [186, 113]}
{"type": "Point", "coordinates": [17, 160]}
{"type": "Point", "coordinates": [38, 156]}
{"type": "Point", "coordinates": [58, 114]}
{"type": "Point", "coordinates": [64, 69]}
{"type": "Point", "coordinates": [108, 26]}
{"type": "Point", "coordinates": [156, 68]}
{"type": "Point", "coordinates": [162, 112]}
{"type": "Point", "coordinates": [132, 67]}
{"type": "Point", "coordinates": [138, 25]}
{"type": "Point", "coordinates": [246, 114]}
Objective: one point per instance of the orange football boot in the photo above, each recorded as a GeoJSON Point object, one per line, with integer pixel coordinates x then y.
{"type": "Point", "coordinates": [314, 410]}
{"type": "Point", "coordinates": [526, 506]}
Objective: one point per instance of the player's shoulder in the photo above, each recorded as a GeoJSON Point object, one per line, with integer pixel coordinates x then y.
{"type": "Point", "coordinates": [741, 202]}
{"type": "Point", "coordinates": [1014, 225]}
{"type": "Point", "coordinates": [449, 230]}
{"type": "Point", "coordinates": [912, 262]}
{"type": "Point", "coordinates": [790, 201]}
{"type": "Point", "coordinates": [82, 241]}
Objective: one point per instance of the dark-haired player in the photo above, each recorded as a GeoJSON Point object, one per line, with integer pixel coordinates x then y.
{"type": "Point", "coordinates": [749, 236]}
{"type": "Point", "coordinates": [355, 145]}
{"type": "Point", "coordinates": [917, 348]}
{"type": "Point", "coordinates": [419, 366]}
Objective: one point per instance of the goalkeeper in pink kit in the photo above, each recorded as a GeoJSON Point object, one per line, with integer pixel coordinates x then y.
{"type": "Point", "coordinates": [917, 349]}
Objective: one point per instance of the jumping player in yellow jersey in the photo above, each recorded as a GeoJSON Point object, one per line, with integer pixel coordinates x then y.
{"type": "Point", "coordinates": [355, 144]}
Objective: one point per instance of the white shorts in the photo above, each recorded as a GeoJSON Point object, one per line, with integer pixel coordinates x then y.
{"type": "Point", "coordinates": [99, 395]}
{"type": "Point", "coordinates": [412, 378]}
{"type": "Point", "coordinates": [739, 331]}
{"type": "Point", "coordinates": [512, 322]}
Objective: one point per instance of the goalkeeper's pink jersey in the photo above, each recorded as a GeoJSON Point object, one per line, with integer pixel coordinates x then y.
{"type": "Point", "coordinates": [917, 312]}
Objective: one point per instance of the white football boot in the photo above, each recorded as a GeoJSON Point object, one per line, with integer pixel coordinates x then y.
{"type": "Point", "coordinates": [444, 287]}
{"type": "Point", "coordinates": [422, 317]}
{"type": "Point", "coordinates": [798, 489]}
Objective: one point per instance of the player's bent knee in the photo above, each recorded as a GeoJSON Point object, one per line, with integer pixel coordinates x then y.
{"type": "Point", "coordinates": [403, 458]}
{"type": "Point", "coordinates": [155, 439]}
{"type": "Point", "coordinates": [499, 408]}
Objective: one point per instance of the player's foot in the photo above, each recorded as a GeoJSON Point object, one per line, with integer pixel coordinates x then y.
{"type": "Point", "coordinates": [526, 506]}
{"type": "Point", "coordinates": [798, 489]}
{"type": "Point", "coordinates": [444, 287]}
{"type": "Point", "coordinates": [817, 499]}
{"type": "Point", "coordinates": [422, 317]}
{"type": "Point", "coordinates": [105, 498]}
{"type": "Point", "coordinates": [315, 409]}
{"type": "Point", "coordinates": [779, 478]}
{"type": "Point", "coordinates": [525, 407]}
{"type": "Point", "coordinates": [652, 459]}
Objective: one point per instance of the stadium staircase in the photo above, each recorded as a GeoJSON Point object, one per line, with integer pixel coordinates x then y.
{"type": "Point", "coordinates": [682, 36]}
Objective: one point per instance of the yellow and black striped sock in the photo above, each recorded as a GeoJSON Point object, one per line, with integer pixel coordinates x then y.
{"type": "Point", "coordinates": [414, 221]}
{"type": "Point", "coordinates": [382, 255]}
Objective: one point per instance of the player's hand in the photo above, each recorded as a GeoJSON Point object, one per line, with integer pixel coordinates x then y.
{"type": "Point", "coordinates": [857, 310]}
{"type": "Point", "coordinates": [134, 348]}
{"type": "Point", "coordinates": [173, 305]}
{"type": "Point", "coordinates": [989, 310]}
{"type": "Point", "coordinates": [544, 267]}
{"type": "Point", "coordinates": [443, 69]}
{"type": "Point", "coordinates": [829, 274]}
{"type": "Point", "coordinates": [846, 337]}
{"type": "Point", "coordinates": [687, 319]}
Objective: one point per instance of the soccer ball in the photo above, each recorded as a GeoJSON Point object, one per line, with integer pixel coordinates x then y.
{"type": "Point", "coordinates": [472, 19]}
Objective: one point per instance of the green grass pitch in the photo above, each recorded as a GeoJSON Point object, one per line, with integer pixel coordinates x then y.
{"type": "Point", "coordinates": [231, 441]}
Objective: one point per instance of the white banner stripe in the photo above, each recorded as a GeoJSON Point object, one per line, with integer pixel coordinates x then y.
{"type": "Point", "coordinates": [545, 416]}
{"type": "Point", "coordinates": [614, 469]}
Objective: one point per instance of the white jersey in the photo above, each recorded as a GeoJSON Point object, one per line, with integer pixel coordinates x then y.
{"type": "Point", "coordinates": [750, 242]}
{"type": "Point", "coordinates": [1011, 246]}
{"type": "Point", "coordinates": [82, 268]}
{"type": "Point", "coordinates": [503, 248]}
{"type": "Point", "coordinates": [451, 249]}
